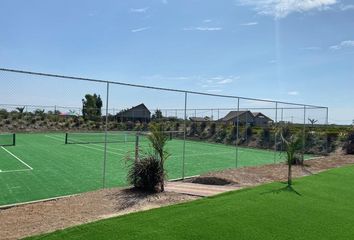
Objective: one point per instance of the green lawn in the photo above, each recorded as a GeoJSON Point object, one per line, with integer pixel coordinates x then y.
{"type": "Point", "coordinates": [322, 208]}
{"type": "Point", "coordinates": [41, 166]}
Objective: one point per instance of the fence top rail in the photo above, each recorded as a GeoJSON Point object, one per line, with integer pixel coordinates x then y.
{"type": "Point", "coordinates": [58, 107]}
{"type": "Point", "coordinates": [152, 87]}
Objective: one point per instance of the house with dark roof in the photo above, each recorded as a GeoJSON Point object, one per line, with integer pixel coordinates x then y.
{"type": "Point", "coordinates": [261, 120]}
{"type": "Point", "coordinates": [247, 117]}
{"type": "Point", "coordinates": [242, 116]}
{"type": "Point", "coordinates": [138, 113]}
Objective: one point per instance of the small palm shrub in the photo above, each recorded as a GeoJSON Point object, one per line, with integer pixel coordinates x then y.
{"type": "Point", "coordinates": [350, 143]}
{"type": "Point", "coordinates": [147, 173]}
{"type": "Point", "coordinates": [293, 144]}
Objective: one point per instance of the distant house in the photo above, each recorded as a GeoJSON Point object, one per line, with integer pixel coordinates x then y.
{"type": "Point", "coordinates": [138, 113]}
{"type": "Point", "coordinates": [199, 119]}
{"type": "Point", "coordinates": [261, 120]}
{"type": "Point", "coordinates": [242, 117]}
{"type": "Point", "coordinates": [247, 117]}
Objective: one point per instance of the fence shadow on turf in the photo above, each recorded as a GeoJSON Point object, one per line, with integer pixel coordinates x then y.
{"type": "Point", "coordinates": [287, 188]}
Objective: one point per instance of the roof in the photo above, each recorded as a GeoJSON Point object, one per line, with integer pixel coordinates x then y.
{"type": "Point", "coordinates": [234, 114]}
{"type": "Point", "coordinates": [199, 119]}
{"type": "Point", "coordinates": [258, 114]}
{"type": "Point", "coordinates": [138, 107]}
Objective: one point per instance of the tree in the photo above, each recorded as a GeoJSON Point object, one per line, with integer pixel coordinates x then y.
{"type": "Point", "coordinates": [157, 115]}
{"type": "Point", "coordinates": [20, 109]}
{"type": "Point", "coordinates": [292, 146]}
{"type": "Point", "coordinates": [312, 121]}
{"type": "Point", "coordinates": [91, 106]}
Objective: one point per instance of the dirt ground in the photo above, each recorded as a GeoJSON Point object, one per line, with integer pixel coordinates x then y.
{"type": "Point", "coordinates": [43, 217]}
{"type": "Point", "coordinates": [253, 176]}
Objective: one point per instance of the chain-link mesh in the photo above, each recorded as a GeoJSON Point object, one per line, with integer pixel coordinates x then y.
{"type": "Point", "coordinates": [75, 135]}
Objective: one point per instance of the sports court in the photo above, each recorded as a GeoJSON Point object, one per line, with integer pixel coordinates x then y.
{"type": "Point", "coordinates": [42, 166]}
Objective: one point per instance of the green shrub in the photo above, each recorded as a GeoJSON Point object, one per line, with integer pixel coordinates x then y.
{"type": "Point", "coordinates": [350, 144]}
{"type": "Point", "coordinates": [146, 173]}
{"type": "Point", "coordinates": [212, 129]}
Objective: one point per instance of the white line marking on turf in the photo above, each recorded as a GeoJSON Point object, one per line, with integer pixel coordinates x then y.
{"type": "Point", "coordinates": [19, 170]}
{"type": "Point", "coordinates": [17, 158]}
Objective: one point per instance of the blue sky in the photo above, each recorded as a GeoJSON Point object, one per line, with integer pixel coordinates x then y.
{"type": "Point", "coordinates": [298, 51]}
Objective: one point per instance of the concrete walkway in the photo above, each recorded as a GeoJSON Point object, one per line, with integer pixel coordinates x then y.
{"type": "Point", "coordinates": [200, 190]}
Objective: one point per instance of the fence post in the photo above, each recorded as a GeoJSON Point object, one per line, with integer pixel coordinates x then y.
{"type": "Point", "coordinates": [275, 134]}
{"type": "Point", "coordinates": [304, 133]}
{"type": "Point", "coordinates": [105, 138]}
{"type": "Point", "coordinates": [184, 134]}
{"type": "Point", "coordinates": [327, 123]}
{"type": "Point", "coordinates": [237, 129]}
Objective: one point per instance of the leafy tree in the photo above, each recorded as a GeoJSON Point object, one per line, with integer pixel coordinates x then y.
{"type": "Point", "coordinates": [157, 114]}
{"type": "Point", "coordinates": [92, 107]}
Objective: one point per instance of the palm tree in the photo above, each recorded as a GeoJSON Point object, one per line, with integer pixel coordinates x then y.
{"type": "Point", "coordinates": [293, 144]}
{"type": "Point", "coordinates": [158, 139]}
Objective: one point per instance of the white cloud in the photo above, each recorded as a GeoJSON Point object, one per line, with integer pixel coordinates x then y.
{"type": "Point", "coordinates": [293, 93]}
{"type": "Point", "coordinates": [207, 20]}
{"type": "Point", "coordinates": [140, 29]}
{"type": "Point", "coordinates": [249, 24]}
{"type": "Point", "coordinates": [347, 7]}
{"type": "Point", "coordinates": [139, 10]}
{"type": "Point", "coordinates": [225, 81]}
{"type": "Point", "coordinates": [202, 29]}
{"type": "Point", "coordinates": [343, 44]}
{"type": "Point", "coordinates": [282, 8]}
{"type": "Point", "coordinates": [164, 1]}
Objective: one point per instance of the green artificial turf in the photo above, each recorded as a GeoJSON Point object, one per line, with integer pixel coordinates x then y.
{"type": "Point", "coordinates": [320, 207]}
{"type": "Point", "coordinates": [62, 169]}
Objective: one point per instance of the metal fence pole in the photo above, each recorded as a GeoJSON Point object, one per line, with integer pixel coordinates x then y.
{"type": "Point", "coordinates": [275, 134]}
{"type": "Point", "coordinates": [105, 138]}
{"type": "Point", "coordinates": [184, 135]}
{"type": "Point", "coordinates": [304, 135]}
{"type": "Point", "coordinates": [237, 130]}
{"type": "Point", "coordinates": [326, 126]}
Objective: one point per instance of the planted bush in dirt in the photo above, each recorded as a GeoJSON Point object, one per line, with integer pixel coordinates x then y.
{"type": "Point", "coordinates": [147, 173]}
{"type": "Point", "coordinates": [350, 144]}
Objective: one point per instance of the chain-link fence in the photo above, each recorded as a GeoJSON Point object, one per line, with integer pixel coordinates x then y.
{"type": "Point", "coordinates": [63, 150]}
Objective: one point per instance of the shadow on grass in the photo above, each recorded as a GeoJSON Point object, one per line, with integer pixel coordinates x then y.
{"type": "Point", "coordinates": [287, 188]}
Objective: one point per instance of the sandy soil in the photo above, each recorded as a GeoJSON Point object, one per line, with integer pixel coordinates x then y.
{"type": "Point", "coordinates": [43, 217]}
{"type": "Point", "coordinates": [253, 176]}
{"type": "Point", "coordinates": [37, 218]}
